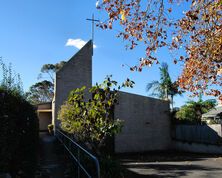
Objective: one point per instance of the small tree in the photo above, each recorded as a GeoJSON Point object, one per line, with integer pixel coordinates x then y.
{"type": "Point", "coordinates": [192, 111]}
{"type": "Point", "coordinates": [165, 88]}
{"type": "Point", "coordinates": [9, 80]}
{"type": "Point", "coordinates": [92, 121]}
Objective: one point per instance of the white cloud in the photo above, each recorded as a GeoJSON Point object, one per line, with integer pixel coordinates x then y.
{"type": "Point", "coordinates": [97, 3]}
{"type": "Point", "coordinates": [78, 43]}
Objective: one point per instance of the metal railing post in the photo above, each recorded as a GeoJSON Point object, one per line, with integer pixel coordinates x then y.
{"type": "Point", "coordinates": [79, 161]}
{"type": "Point", "coordinates": [68, 144]}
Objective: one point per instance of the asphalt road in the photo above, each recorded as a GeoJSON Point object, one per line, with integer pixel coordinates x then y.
{"type": "Point", "coordinates": [171, 164]}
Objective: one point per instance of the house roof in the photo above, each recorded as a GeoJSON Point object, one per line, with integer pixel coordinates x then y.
{"type": "Point", "coordinates": [213, 112]}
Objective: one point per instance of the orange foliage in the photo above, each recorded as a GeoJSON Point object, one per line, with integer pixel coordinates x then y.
{"type": "Point", "coordinates": [199, 32]}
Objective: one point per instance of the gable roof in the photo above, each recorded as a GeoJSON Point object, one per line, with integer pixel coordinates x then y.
{"type": "Point", "coordinates": [213, 112]}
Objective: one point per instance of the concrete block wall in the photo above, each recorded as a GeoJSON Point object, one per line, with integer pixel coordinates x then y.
{"type": "Point", "coordinates": [45, 106]}
{"type": "Point", "coordinates": [146, 124]}
{"type": "Point", "coordinates": [77, 72]}
{"type": "Point", "coordinates": [45, 118]}
{"type": "Point", "coordinates": [146, 120]}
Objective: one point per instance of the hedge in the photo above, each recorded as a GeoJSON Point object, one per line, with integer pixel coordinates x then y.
{"type": "Point", "coordinates": [18, 135]}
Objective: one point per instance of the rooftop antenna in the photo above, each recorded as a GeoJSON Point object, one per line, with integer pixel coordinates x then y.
{"type": "Point", "coordinates": [93, 21]}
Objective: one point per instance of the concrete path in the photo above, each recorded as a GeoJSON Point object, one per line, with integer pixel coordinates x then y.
{"type": "Point", "coordinates": [51, 158]}
{"type": "Point", "coordinates": [172, 165]}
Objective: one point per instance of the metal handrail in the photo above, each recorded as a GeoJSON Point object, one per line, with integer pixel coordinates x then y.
{"type": "Point", "coordinates": [60, 135]}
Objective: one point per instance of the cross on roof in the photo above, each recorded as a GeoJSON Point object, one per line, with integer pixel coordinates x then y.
{"type": "Point", "coordinates": [93, 20]}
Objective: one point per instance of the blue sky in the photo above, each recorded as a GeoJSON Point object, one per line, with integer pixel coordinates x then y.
{"type": "Point", "coordinates": [33, 33]}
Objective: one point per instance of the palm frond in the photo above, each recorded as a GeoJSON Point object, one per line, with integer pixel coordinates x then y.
{"type": "Point", "coordinates": [154, 84]}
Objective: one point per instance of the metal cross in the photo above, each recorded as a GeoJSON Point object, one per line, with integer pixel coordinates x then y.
{"type": "Point", "coordinates": [93, 20]}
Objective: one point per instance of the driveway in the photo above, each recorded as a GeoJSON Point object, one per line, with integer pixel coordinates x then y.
{"type": "Point", "coordinates": [171, 164]}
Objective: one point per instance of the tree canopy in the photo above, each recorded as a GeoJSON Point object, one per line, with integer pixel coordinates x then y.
{"type": "Point", "coordinates": [51, 69]}
{"type": "Point", "coordinates": [164, 88]}
{"type": "Point", "coordinates": [40, 92]}
{"type": "Point", "coordinates": [198, 33]}
{"type": "Point", "coordinates": [43, 91]}
{"type": "Point", "coordinates": [192, 111]}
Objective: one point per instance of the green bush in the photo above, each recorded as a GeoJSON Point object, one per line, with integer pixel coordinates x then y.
{"type": "Point", "coordinates": [192, 111]}
{"type": "Point", "coordinates": [19, 134]}
{"type": "Point", "coordinates": [110, 168]}
{"type": "Point", "coordinates": [92, 122]}
{"type": "Point", "coordinates": [50, 128]}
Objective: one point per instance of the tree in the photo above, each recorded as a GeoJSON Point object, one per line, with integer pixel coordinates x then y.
{"type": "Point", "coordinates": [18, 125]}
{"type": "Point", "coordinates": [10, 80]}
{"type": "Point", "coordinates": [51, 69]}
{"type": "Point", "coordinates": [192, 111]}
{"type": "Point", "coordinates": [43, 91]}
{"type": "Point", "coordinates": [40, 92]}
{"type": "Point", "coordinates": [164, 88]}
{"type": "Point", "coordinates": [92, 121]}
{"type": "Point", "coordinates": [198, 33]}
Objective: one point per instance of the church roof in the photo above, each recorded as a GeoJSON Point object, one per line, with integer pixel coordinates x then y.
{"type": "Point", "coordinates": [86, 47]}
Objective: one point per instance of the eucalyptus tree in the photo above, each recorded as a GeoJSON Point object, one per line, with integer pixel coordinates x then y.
{"type": "Point", "coordinates": [40, 92]}
{"type": "Point", "coordinates": [51, 69]}
{"type": "Point", "coordinates": [43, 91]}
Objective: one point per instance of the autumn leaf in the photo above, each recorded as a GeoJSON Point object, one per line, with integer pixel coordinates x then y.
{"type": "Point", "coordinates": [123, 17]}
{"type": "Point", "coordinates": [169, 10]}
{"type": "Point", "coordinates": [199, 32]}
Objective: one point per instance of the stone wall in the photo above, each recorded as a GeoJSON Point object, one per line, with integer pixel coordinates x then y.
{"type": "Point", "coordinates": [146, 124]}
{"type": "Point", "coordinates": [77, 72]}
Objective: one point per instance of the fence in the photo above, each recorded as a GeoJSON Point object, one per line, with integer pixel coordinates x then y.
{"type": "Point", "coordinates": [204, 134]}
{"type": "Point", "coordinates": [87, 164]}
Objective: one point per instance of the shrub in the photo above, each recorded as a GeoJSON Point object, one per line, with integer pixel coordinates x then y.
{"type": "Point", "coordinates": [19, 129]}
{"type": "Point", "coordinates": [50, 128]}
{"type": "Point", "coordinates": [110, 167]}
{"type": "Point", "coordinates": [192, 111]}
{"type": "Point", "coordinates": [19, 134]}
{"type": "Point", "coordinates": [92, 121]}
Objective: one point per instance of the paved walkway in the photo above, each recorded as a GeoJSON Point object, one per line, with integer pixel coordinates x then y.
{"type": "Point", "coordinates": [172, 165]}
{"type": "Point", "coordinates": [51, 158]}
{"type": "Point", "coordinates": [53, 164]}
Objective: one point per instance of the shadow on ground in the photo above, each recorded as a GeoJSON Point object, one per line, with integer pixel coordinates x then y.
{"type": "Point", "coordinates": [53, 163]}
{"type": "Point", "coordinates": [171, 164]}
